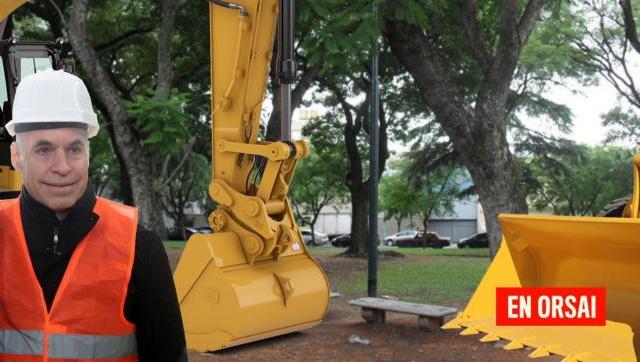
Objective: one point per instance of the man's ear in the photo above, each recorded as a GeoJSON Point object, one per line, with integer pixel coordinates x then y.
{"type": "Point", "coordinates": [15, 157]}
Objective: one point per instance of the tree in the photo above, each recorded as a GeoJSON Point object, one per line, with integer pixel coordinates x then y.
{"type": "Point", "coordinates": [436, 192]}
{"type": "Point", "coordinates": [397, 199]}
{"type": "Point", "coordinates": [610, 44]}
{"type": "Point", "coordinates": [317, 184]}
{"type": "Point", "coordinates": [128, 52]}
{"type": "Point", "coordinates": [188, 185]}
{"type": "Point", "coordinates": [582, 182]}
{"type": "Point", "coordinates": [468, 88]}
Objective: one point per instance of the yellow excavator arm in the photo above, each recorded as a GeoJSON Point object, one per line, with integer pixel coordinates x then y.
{"type": "Point", "coordinates": [253, 278]}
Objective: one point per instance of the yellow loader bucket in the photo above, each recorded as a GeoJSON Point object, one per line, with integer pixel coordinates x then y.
{"type": "Point", "coordinates": [553, 251]}
{"type": "Point", "coordinates": [225, 302]}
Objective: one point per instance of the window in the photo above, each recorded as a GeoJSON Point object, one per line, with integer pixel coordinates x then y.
{"type": "Point", "coordinates": [3, 85]}
{"type": "Point", "coordinates": [29, 66]}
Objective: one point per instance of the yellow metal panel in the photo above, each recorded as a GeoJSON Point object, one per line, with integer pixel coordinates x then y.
{"type": "Point", "coordinates": [9, 6]}
{"type": "Point", "coordinates": [552, 251]}
{"type": "Point", "coordinates": [557, 251]}
{"type": "Point", "coordinates": [10, 180]}
{"type": "Point", "coordinates": [225, 302]}
{"type": "Point", "coordinates": [241, 50]}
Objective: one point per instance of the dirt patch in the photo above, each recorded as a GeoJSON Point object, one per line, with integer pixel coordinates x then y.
{"type": "Point", "coordinates": [397, 340]}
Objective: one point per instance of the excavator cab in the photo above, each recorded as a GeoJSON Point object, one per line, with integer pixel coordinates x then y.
{"type": "Point", "coordinates": [18, 60]}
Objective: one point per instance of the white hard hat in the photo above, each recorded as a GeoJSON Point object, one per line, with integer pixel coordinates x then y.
{"type": "Point", "coordinates": [52, 99]}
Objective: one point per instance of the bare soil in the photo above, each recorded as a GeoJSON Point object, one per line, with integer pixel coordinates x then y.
{"type": "Point", "coordinates": [397, 340]}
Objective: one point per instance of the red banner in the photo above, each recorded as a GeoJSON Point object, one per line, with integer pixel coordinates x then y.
{"type": "Point", "coordinates": [550, 306]}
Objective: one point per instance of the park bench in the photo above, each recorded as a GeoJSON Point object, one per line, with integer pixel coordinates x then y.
{"type": "Point", "coordinates": [430, 317]}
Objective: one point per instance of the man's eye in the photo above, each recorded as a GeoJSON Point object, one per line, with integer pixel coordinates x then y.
{"type": "Point", "coordinates": [75, 150]}
{"type": "Point", "coordinates": [42, 151]}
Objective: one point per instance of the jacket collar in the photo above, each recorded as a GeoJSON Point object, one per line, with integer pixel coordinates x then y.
{"type": "Point", "coordinates": [38, 211]}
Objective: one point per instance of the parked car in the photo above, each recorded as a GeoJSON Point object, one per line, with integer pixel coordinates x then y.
{"type": "Point", "coordinates": [197, 230]}
{"type": "Point", "coordinates": [479, 240]}
{"type": "Point", "coordinates": [320, 238]}
{"type": "Point", "coordinates": [430, 240]}
{"type": "Point", "coordinates": [402, 235]}
{"type": "Point", "coordinates": [341, 241]}
{"type": "Point", "coordinates": [175, 233]}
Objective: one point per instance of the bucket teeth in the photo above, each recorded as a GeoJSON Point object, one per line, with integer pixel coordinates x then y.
{"type": "Point", "coordinates": [539, 352]}
{"type": "Point", "coordinates": [542, 351]}
{"type": "Point", "coordinates": [515, 344]}
{"type": "Point", "coordinates": [454, 323]}
{"type": "Point", "coordinates": [469, 331]}
{"type": "Point", "coordinates": [491, 337]}
{"type": "Point", "coordinates": [576, 357]}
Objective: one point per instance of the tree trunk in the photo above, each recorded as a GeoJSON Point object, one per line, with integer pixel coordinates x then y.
{"type": "Point", "coordinates": [168, 12]}
{"type": "Point", "coordinates": [399, 223]}
{"type": "Point", "coordinates": [305, 80]}
{"type": "Point", "coordinates": [499, 190]}
{"type": "Point", "coordinates": [313, 234]}
{"type": "Point", "coordinates": [137, 161]}
{"type": "Point", "coordinates": [358, 246]}
{"type": "Point", "coordinates": [477, 129]}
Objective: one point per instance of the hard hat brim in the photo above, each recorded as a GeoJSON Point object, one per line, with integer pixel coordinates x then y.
{"type": "Point", "coordinates": [14, 128]}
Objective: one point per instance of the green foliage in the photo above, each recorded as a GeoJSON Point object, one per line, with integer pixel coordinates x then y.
{"type": "Point", "coordinates": [622, 125]}
{"type": "Point", "coordinates": [319, 177]}
{"type": "Point", "coordinates": [103, 164]}
{"type": "Point", "coordinates": [161, 121]}
{"type": "Point", "coordinates": [581, 182]}
{"type": "Point", "coordinates": [187, 182]}
{"type": "Point", "coordinates": [396, 197]}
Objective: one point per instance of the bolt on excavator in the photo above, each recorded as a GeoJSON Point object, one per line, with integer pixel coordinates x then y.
{"type": "Point", "coordinates": [253, 278]}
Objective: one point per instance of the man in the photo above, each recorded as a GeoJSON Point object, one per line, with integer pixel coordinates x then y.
{"type": "Point", "coordinates": [79, 279]}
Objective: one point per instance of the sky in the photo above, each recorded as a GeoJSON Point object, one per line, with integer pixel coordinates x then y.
{"type": "Point", "coordinates": [587, 105]}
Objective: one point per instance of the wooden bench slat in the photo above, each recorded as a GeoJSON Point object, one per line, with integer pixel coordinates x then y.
{"type": "Point", "coordinates": [426, 310]}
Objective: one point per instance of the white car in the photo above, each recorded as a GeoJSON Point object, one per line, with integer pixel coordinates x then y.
{"type": "Point", "coordinates": [404, 234]}
{"type": "Point", "coordinates": [319, 239]}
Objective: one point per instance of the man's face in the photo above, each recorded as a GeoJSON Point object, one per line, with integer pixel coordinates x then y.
{"type": "Point", "coordinates": [54, 164]}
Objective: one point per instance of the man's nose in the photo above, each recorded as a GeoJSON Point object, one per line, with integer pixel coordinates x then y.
{"type": "Point", "coordinates": [60, 163]}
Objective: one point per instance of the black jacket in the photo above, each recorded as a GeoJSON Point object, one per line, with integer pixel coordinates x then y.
{"type": "Point", "coordinates": [151, 302]}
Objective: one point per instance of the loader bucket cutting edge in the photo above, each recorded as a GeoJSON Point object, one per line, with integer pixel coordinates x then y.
{"type": "Point", "coordinates": [556, 251]}
{"type": "Point", "coordinates": [225, 302]}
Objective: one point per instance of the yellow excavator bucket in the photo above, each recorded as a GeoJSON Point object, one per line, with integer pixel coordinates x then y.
{"type": "Point", "coordinates": [555, 251]}
{"type": "Point", "coordinates": [227, 302]}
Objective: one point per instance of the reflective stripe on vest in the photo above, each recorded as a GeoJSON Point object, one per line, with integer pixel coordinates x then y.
{"type": "Point", "coordinates": [21, 342]}
{"type": "Point", "coordinates": [76, 346]}
{"type": "Point", "coordinates": [91, 347]}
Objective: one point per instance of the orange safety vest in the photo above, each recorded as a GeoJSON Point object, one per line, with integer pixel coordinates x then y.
{"type": "Point", "coordinates": [86, 321]}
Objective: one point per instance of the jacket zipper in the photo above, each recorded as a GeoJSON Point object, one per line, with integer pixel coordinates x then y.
{"type": "Point", "coordinates": [56, 238]}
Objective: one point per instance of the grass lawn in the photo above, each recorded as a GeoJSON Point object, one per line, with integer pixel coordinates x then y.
{"type": "Point", "coordinates": [173, 244]}
{"type": "Point", "coordinates": [446, 275]}
{"type": "Point", "coordinates": [438, 279]}
{"type": "Point", "coordinates": [481, 252]}
{"type": "Point", "coordinates": [449, 275]}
